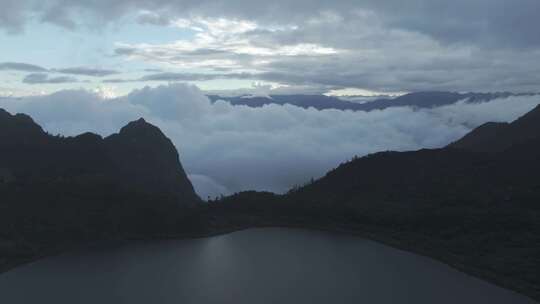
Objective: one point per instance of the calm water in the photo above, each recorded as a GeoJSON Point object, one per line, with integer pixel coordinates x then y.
{"type": "Point", "coordinates": [255, 266]}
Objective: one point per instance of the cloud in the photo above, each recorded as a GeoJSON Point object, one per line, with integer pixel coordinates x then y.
{"type": "Point", "coordinates": [227, 148]}
{"type": "Point", "coordinates": [219, 43]}
{"type": "Point", "coordinates": [342, 50]}
{"type": "Point", "coordinates": [489, 22]}
{"type": "Point", "coordinates": [183, 77]}
{"type": "Point", "coordinates": [13, 15]}
{"type": "Point", "coordinates": [205, 185]}
{"type": "Point", "coordinates": [85, 71]}
{"type": "Point", "coordinates": [73, 112]}
{"type": "Point", "coordinates": [378, 45]}
{"type": "Point", "coordinates": [153, 18]}
{"type": "Point", "coordinates": [19, 66]}
{"type": "Point", "coordinates": [42, 78]}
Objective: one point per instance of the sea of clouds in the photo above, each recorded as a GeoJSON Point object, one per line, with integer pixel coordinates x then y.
{"type": "Point", "coordinates": [226, 148]}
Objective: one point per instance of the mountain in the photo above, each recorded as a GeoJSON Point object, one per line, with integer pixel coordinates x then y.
{"type": "Point", "coordinates": [433, 99]}
{"type": "Point", "coordinates": [510, 152]}
{"type": "Point", "coordinates": [497, 137]}
{"type": "Point", "coordinates": [319, 102]}
{"type": "Point", "coordinates": [474, 204]}
{"type": "Point", "coordinates": [140, 156]}
{"type": "Point", "coordinates": [418, 100]}
{"type": "Point", "coordinates": [322, 102]}
{"type": "Point", "coordinates": [56, 189]}
{"type": "Point", "coordinates": [144, 157]}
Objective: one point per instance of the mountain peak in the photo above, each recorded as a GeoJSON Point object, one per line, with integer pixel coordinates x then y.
{"type": "Point", "coordinates": [146, 157]}
{"type": "Point", "coordinates": [141, 128]}
{"type": "Point", "coordinates": [4, 113]}
{"type": "Point", "coordinates": [18, 127]}
{"type": "Point", "coordinates": [140, 157]}
{"type": "Point", "coordinates": [497, 137]}
{"type": "Point", "coordinates": [19, 118]}
{"type": "Point", "coordinates": [137, 124]}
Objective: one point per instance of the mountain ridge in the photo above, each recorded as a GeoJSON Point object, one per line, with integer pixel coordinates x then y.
{"type": "Point", "coordinates": [59, 190]}
{"type": "Point", "coordinates": [474, 209]}
{"type": "Point", "coordinates": [139, 155]}
{"type": "Point", "coordinates": [426, 99]}
{"type": "Point", "coordinates": [497, 137]}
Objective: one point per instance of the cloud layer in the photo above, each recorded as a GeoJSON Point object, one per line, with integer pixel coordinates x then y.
{"type": "Point", "coordinates": [378, 45]}
{"type": "Point", "coordinates": [486, 21]}
{"type": "Point", "coordinates": [228, 148]}
{"type": "Point", "coordinates": [19, 66]}
{"type": "Point", "coordinates": [40, 78]}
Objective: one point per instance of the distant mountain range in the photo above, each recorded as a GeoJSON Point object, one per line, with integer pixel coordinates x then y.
{"type": "Point", "coordinates": [474, 204]}
{"type": "Point", "coordinates": [323, 102]}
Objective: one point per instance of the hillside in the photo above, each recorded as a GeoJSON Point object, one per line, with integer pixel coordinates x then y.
{"type": "Point", "coordinates": [497, 137]}
{"type": "Point", "coordinates": [477, 211]}
{"type": "Point", "coordinates": [57, 190]}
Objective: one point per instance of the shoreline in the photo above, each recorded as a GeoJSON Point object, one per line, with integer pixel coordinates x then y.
{"type": "Point", "coordinates": [425, 251]}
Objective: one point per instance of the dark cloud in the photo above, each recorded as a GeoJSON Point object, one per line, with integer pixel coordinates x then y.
{"type": "Point", "coordinates": [42, 78]}
{"type": "Point", "coordinates": [154, 19]}
{"type": "Point", "coordinates": [178, 77]}
{"type": "Point", "coordinates": [358, 49]}
{"type": "Point", "coordinates": [13, 15]}
{"type": "Point", "coordinates": [493, 23]}
{"type": "Point", "coordinates": [153, 70]}
{"type": "Point", "coordinates": [124, 51]}
{"type": "Point", "coordinates": [87, 71]}
{"type": "Point", "coordinates": [83, 71]}
{"type": "Point", "coordinates": [183, 77]}
{"type": "Point", "coordinates": [205, 52]}
{"type": "Point", "coordinates": [194, 76]}
{"type": "Point", "coordinates": [117, 80]}
{"type": "Point", "coordinates": [499, 22]}
{"type": "Point", "coordinates": [19, 66]}
{"type": "Point", "coordinates": [382, 45]}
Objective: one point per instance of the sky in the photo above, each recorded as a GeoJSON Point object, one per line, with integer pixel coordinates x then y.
{"type": "Point", "coordinates": [77, 66]}
{"type": "Point", "coordinates": [316, 46]}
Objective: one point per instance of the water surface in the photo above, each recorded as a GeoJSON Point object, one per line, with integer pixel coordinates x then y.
{"type": "Point", "coordinates": [270, 265]}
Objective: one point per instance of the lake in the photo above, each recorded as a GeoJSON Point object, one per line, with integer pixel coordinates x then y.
{"type": "Point", "coordinates": [268, 265]}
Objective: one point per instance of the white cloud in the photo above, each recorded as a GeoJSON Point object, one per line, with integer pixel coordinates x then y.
{"type": "Point", "coordinates": [341, 50]}
{"type": "Point", "coordinates": [218, 43]}
{"type": "Point", "coordinates": [226, 148]}
{"type": "Point", "coordinates": [205, 185]}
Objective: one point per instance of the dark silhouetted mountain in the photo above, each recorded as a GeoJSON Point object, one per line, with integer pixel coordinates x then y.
{"type": "Point", "coordinates": [18, 129]}
{"type": "Point", "coordinates": [75, 188]}
{"type": "Point", "coordinates": [139, 157]}
{"type": "Point", "coordinates": [322, 102]}
{"type": "Point", "coordinates": [497, 137]}
{"type": "Point", "coordinates": [478, 211]}
{"type": "Point", "coordinates": [145, 157]}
